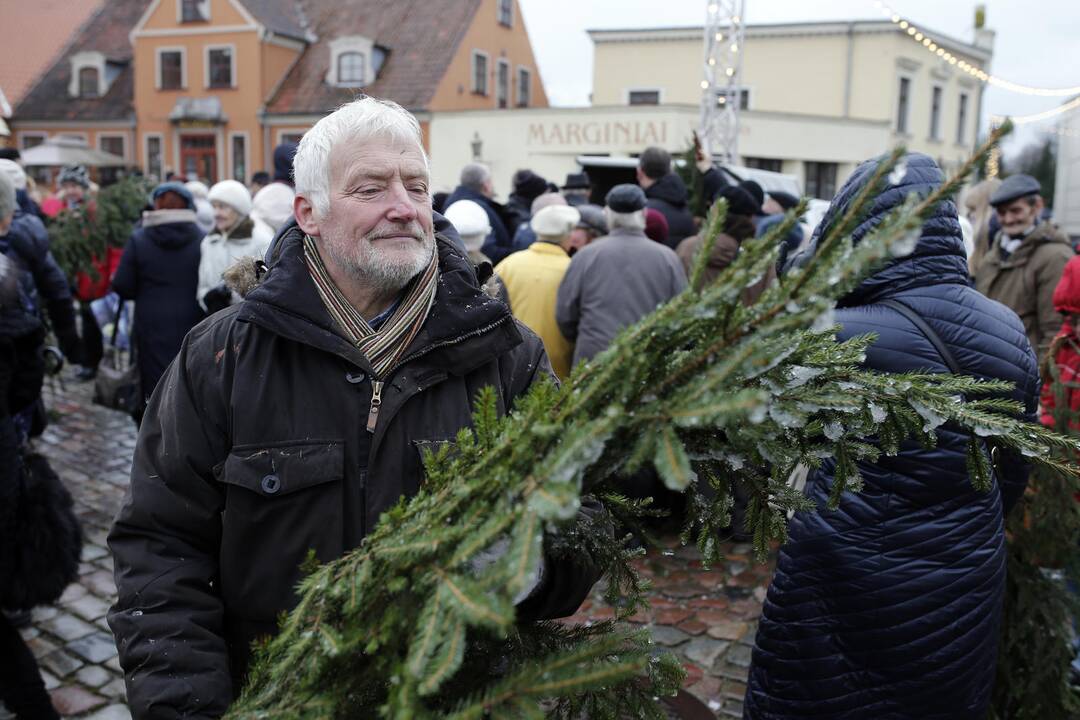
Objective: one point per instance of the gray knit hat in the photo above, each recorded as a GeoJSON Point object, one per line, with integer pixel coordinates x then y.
{"type": "Point", "coordinates": [75, 174]}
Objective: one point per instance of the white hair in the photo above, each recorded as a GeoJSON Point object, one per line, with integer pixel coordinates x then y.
{"type": "Point", "coordinates": [629, 221]}
{"type": "Point", "coordinates": [361, 120]}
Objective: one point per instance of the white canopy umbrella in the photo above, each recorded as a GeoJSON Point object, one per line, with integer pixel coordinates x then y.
{"type": "Point", "coordinates": [57, 151]}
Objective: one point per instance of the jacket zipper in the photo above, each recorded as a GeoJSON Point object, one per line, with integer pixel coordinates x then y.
{"type": "Point", "coordinates": [376, 402]}
{"type": "Point", "coordinates": [377, 385]}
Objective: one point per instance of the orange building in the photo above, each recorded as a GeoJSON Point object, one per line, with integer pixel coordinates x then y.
{"type": "Point", "coordinates": [210, 87]}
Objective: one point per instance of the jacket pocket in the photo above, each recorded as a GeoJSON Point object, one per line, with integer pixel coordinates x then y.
{"type": "Point", "coordinates": [424, 448]}
{"type": "Point", "coordinates": [282, 502]}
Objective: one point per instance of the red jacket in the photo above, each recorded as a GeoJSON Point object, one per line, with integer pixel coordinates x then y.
{"type": "Point", "coordinates": [1066, 349]}
{"type": "Point", "coordinates": [87, 288]}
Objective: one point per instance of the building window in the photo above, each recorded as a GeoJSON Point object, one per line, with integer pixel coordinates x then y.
{"type": "Point", "coordinates": [820, 180]}
{"type": "Point", "coordinates": [170, 69]}
{"type": "Point", "coordinates": [506, 13]}
{"type": "Point", "coordinates": [479, 73]}
{"type": "Point", "coordinates": [219, 64]}
{"type": "Point", "coordinates": [743, 94]}
{"type": "Point", "coordinates": [289, 137]}
{"type": "Point", "coordinates": [350, 68]}
{"type": "Point", "coordinates": [153, 157]}
{"type": "Point", "coordinates": [31, 140]}
{"type": "Point", "coordinates": [524, 87]}
{"type": "Point", "coordinates": [194, 10]}
{"type": "Point", "coordinates": [935, 113]}
{"type": "Point", "coordinates": [770, 164]}
{"type": "Point", "coordinates": [961, 125]}
{"type": "Point", "coordinates": [502, 84]}
{"type": "Point", "coordinates": [88, 82]}
{"type": "Point", "coordinates": [643, 97]}
{"type": "Point", "coordinates": [239, 158]}
{"type": "Point", "coordinates": [112, 144]}
{"type": "Point", "coordinates": [903, 102]}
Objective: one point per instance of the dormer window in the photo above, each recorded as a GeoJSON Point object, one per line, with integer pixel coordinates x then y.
{"type": "Point", "coordinates": [89, 82]}
{"type": "Point", "coordinates": [354, 61]}
{"type": "Point", "coordinates": [194, 10]}
{"type": "Point", "coordinates": [89, 78]}
{"type": "Point", "coordinates": [350, 68]}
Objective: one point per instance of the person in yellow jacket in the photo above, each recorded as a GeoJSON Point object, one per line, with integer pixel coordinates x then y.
{"type": "Point", "coordinates": [532, 277]}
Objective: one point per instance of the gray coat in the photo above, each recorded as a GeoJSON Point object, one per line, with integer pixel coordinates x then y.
{"type": "Point", "coordinates": [611, 283]}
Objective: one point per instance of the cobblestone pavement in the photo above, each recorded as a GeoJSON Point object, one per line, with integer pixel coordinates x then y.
{"type": "Point", "coordinates": [708, 618]}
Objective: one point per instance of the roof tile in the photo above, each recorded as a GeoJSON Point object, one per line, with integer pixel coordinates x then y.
{"type": "Point", "coordinates": [421, 38]}
{"type": "Point", "coordinates": [106, 32]}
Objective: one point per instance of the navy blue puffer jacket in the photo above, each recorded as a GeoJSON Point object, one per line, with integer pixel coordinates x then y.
{"type": "Point", "coordinates": [889, 606]}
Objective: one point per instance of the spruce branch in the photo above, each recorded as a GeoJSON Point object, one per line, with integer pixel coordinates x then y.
{"type": "Point", "coordinates": [419, 621]}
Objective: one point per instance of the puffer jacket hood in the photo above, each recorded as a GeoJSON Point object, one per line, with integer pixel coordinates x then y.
{"type": "Point", "coordinates": [669, 188]}
{"type": "Point", "coordinates": [890, 606]}
{"type": "Point", "coordinates": [283, 163]}
{"type": "Point", "coordinates": [939, 254]}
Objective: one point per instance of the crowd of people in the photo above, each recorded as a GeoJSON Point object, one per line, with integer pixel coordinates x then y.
{"type": "Point", "coordinates": [380, 310]}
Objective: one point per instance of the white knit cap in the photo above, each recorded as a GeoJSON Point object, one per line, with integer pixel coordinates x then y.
{"type": "Point", "coordinates": [233, 194]}
{"type": "Point", "coordinates": [555, 221]}
{"type": "Point", "coordinates": [14, 171]}
{"type": "Point", "coordinates": [273, 205]}
{"type": "Point", "coordinates": [197, 189]}
{"type": "Point", "coordinates": [469, 218]}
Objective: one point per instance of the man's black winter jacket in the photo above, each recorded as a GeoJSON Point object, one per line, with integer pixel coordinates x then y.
{"type": "Point", "coordinates": [254, 450]}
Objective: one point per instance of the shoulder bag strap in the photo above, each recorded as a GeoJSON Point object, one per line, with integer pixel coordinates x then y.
{"type": "Point", "coordinates": [943, 350]}
{"type": "Point", "coordinates": [933, 337]}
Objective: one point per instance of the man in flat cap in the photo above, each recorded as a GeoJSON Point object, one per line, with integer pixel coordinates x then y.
{"type": "Point", "coordinates": [1024, 264]}
{"type": "Point", "coordinates": [616, 280]}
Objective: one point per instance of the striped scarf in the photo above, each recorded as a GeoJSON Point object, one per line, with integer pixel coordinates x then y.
{"type": "Point", "coordinates": [382, 347]}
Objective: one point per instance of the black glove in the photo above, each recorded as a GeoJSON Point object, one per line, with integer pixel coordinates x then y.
{"type": "Point", "coordinates": [217, 298]}
{"type": "Point", "coordinates": [62, 316]}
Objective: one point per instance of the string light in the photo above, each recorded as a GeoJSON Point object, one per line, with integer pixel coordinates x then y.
{"type": "Point", "coordinates": [1063, 132]}
{"type": "Point", "coordinates": [1045, 115]}
{"type": "Point", "coordinates": [921, 36]}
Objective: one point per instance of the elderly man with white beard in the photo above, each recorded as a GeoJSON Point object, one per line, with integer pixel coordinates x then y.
{"type": "Point", "coordinates": [290, 422]}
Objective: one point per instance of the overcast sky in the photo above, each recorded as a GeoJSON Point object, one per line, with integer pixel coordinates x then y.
{"type": "Point", "coordinates": [1038, 41]}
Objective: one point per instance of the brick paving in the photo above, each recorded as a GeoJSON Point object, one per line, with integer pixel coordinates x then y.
{"type": "Point", "coordinates": [706, 617]}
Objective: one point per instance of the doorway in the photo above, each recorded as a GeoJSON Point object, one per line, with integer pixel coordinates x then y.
{"type": "Point", "coordinates": [198, 157]}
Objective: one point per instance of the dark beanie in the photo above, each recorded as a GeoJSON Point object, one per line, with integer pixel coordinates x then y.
{"type": "Point", "coordinates": [755, 192]}
{"type": "Point", "coordinates": [740, 202]}
{"type": "Point", "coordinates": [529, 185]}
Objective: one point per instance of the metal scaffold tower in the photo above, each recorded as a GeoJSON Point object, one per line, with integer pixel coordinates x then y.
{"type": "Point", "coordinates": [721, 95]}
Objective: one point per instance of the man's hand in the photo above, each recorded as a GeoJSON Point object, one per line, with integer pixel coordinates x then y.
{"type": "Point", "coordinates": [701, 155]}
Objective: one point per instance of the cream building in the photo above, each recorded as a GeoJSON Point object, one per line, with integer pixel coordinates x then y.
{"type": "Point", "coordinates": [1067, 183]}
{"type": "Point", "coordinates": [815, 100]}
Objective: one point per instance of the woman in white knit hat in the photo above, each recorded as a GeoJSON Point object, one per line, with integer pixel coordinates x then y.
{"type": "Point", "coordinates": [231, 240]}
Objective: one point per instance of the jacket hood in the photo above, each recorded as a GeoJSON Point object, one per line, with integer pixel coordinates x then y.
{"type": "Point", "coordinates": [670, 189]}
{"type": "Point", "coordinates": [273, 204]}
{"type": "Point", "coordinates": [171, 229]}
{"type": "Point", "coordinates": [939, 255]}
{"type": "Point", "coordinates": [1067, 292]}
{"type": "Point", "coordinates": [288, 303]}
